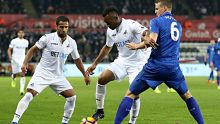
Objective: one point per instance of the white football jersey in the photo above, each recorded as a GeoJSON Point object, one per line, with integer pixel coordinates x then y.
{"type": "Point", "coordinates": [128, 31]}
{"type": "Point", "coordinates": [54, 54]}
{"type": "Point", "coordinates": [19, 46]}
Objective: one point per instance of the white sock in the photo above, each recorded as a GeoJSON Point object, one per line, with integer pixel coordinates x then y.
{"type": "Point", "coordinates": [22, 84]}
{"type": "Point", "coordinates": [22, 106]}
{"type": "Point", "coordinates": [100, 95]}
{"type": "Point", "coordinates": [134, 111]}
{"type": "Point", "coordinates": [68, 108]}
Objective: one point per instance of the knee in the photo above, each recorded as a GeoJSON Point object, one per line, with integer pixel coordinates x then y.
{"type": "Point", "coordinates": [71, 99]}
{"type": "Point", "coordinates": [102, 80]}
{"type": "Point", "coordinates": [131, 95]}
{"type": "Point", "coordinates": [186, 96]}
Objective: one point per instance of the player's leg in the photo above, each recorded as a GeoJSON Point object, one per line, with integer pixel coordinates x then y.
{"type": "Point", "coordinates": [62, 86]}
{"type": "Point", "coordinates": [105, 77]}
{"type": "Point", "coordinates": [218, 79]}
{"type": "Point", "coordinates": [69, 105]}
{"type": "Point", "coordinates": [133, 70]}
{"type": "Point", "coordinates": [15, 70]}
{"type": "Point", "coordinates": [137, 87]}
{"type": "Point", "coordinates": [22, 83]}
{"type": "Point", "coordinates": [35, 86]}
{"type": "Point", "coordinates": [191, 103]}
{"type": "Point", "coordinates": [23, 104]}
{"type": "Point", "coordinates": [211, 75]}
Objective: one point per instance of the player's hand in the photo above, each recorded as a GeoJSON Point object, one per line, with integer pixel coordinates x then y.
{"type": "Point", "coordinates": [149, 42]}
{"type": "Point", "coordinates": [87, 78]}
{"type": "Point", "coordinates": [24, 69]}
{"type": "Point", "coordinates": [131, 46]}
{"type": "Point", "coordinates": [91, 69]}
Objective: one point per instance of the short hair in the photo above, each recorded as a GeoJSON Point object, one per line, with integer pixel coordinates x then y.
{"type": "Point", "coordinates": [61, 18]}
{"type": "Point", "coordinates": [167, 3]}
{"type": "Point", "coordinates": [109, 10]}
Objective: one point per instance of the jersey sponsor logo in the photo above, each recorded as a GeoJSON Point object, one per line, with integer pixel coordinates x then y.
{"type": "Point", "coordinates": [54, 43]}
{"type": "Point", "coordinates": [122, 44]}
{"type": "Point", "coordinates": [58, 54]}
{"type": "Point", "coordinates": [20, 47]}
{"type": "Point", "coordinates": [113, 35]}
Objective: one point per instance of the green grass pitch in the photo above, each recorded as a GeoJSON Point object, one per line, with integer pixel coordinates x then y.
{"type": "Point", "coordinates": [164, 108]}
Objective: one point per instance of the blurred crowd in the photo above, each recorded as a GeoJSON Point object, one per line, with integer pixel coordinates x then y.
{"type": "Point", "coordinates": [89, 44]}
{"type": "Point", "coordinates": [197, 8]}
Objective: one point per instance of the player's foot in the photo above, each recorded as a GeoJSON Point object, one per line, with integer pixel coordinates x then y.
{"type": "Point", "coordinates": [157, 90]}
{"type": "Point", "coordinates": [13, 83]}
{"type": "Point", "coordinates": [209, 81]}
{"type": "Point", "coordinates": [14, 123]}
{"type": "Point", "coordinates": [214, 81]}
{"type": "Point", "coordinates": [171, 90]}
{"type": "Point", "coordinates": [64, 123]}
{"type": "Point", "coordinates": [99, 114]}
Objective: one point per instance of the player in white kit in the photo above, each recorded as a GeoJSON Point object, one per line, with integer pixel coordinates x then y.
{"type": "Point", "coordinates": [129, 62]}
{"type": "Point", "coordinates": [49, 72]}
{"type": "Point", "coordinates": [16, 54]}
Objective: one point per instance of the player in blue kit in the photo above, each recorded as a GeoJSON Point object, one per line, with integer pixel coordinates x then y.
{"type": "Point", "coordinates": [163, 64]}
{"type": "Point", "coordinates": [209, 59]}
{"type": "Point", "coordinates": [217, 61]}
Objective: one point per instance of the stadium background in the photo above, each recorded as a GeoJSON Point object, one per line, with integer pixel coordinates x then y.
{"type": "Point", "coordinates": [199, 19]}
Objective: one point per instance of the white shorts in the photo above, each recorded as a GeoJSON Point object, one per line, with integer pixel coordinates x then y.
{"type": "Point", "coordinates": [16, 67]}
{"type": "Point", "coordinates": [58, 85]}
{"type": "Point", "coordinates": [122, 68]}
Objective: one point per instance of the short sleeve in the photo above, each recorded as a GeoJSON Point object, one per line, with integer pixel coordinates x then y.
{"type": "Point", "coordinates": [154, 26]}
{"type": "Point", "coordinates": [27, 43]}
{"type": "Point", "coordinates": [41, 43]}
{"type": "Point", "coordinates": [109, 41]}
{"type": "Point", "coordinates": [137, 28]}
{"type": "Point", "coordinates": [11, 45]}
{"type": "Point", "coordinates": [75, 53]}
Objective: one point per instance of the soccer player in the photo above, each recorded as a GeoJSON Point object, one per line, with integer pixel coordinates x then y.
{"type": "Point", "coordinates": [209, 57]}
{"type": "Point", "coordinates": [49, 72]}
{"type": "Point", "coordinates": [163, 64]}
{"type": "Point", "coordinates": [129, 62]}
{"type": "Point", "coordinates": [16, 54]}
{"type": "Point", "coordinates": [217, 61]}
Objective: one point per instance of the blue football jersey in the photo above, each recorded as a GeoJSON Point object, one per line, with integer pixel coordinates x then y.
{"type": "Point", "coordinates": [169, 34]}
{"type": "Point", "coordinates": [210, 52]}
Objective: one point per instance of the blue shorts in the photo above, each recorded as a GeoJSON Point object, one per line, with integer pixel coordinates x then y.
{"type": "Point", "coordinates": [217, 62]}
{"type": "Point", "coordinates": [152, 76]}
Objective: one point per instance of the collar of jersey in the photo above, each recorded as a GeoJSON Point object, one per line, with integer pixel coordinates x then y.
{"type": "Point", "coordinates": [166, 13]}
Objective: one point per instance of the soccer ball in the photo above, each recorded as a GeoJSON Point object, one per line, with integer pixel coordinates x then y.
{"type": "Point", "coordinates": [88, 120]}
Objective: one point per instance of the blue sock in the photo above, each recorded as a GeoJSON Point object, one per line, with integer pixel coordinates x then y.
{"type": "Point", "coordinates": [123, 109]}
{"type": "Point", "coordinates": [218, 80]}
{"type": "Point", "coordinates": [193, 108]}
{"type": "Point", "coordinates": [211, 76]}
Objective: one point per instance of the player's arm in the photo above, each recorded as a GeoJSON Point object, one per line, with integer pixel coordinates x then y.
{"type": "Point", "coordinates": [9, 51]}
{"type": "Point", "coordinates": [80, 66]}
{"type": "Point", "coordinates": [146, 41]}
{"type": "Point", "coordinates": [28, 57]}
{"type": "Point", "coordinates": [104, 51]}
